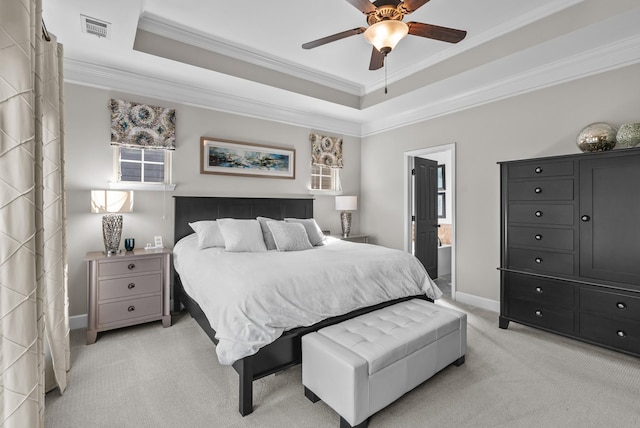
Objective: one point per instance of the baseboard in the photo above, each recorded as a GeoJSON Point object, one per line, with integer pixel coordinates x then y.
{"type": "Point", "coordinates": [78, 321]}
{"type": "Point", "coordinates": [479, 302]}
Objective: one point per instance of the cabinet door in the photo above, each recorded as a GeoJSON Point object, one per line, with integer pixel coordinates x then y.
{"type": "Point", "coordinates": [609, 218]}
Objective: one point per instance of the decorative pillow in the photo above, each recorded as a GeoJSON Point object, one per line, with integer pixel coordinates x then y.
{"type": "Point", "coordinates": [266, 233]}
{"type": "Point", "coordinates": [289, 236]}
{"type": "Point", "coordinates": [242, 235]}
{"type": "Point", "coordinates": [316, 237]}
{"type": "Point", "coordinates": [208, 232]}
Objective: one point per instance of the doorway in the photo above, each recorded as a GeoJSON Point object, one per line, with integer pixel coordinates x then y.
{"type": "Point", "coordinates": [445, 156]}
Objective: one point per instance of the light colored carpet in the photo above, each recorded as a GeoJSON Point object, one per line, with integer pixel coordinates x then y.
{"type": "Point", "coordinates": [149, 376]}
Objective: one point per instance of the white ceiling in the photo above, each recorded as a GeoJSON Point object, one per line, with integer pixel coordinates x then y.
{"type": "Point", "coordinates": [248, 58]}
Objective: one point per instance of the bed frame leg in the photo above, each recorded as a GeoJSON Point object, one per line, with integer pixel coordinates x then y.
{"type": "Point", "coordinates": [244, 368]}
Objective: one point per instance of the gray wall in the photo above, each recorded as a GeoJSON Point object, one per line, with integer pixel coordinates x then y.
{"type": "Point", "coordinates": [541, 123]}
{"type": "Point", "coordinates": [89, 166]}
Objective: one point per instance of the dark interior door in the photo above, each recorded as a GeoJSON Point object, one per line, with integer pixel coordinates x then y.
{"type": "Point", "coordinates": [426, 214]}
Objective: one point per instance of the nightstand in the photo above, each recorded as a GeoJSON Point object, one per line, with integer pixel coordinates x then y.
{"type": "Point", "coordinates": [363, 239]}
{"type": "Point", "coordinates": [125, 289]}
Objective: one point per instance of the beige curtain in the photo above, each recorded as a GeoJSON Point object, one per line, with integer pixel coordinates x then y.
{"type": "Point", "coordinates": [33, 280]}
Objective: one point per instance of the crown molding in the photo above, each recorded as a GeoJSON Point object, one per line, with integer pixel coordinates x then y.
{"type": "Point", "coordinates": [175, 31]}
{"type": "Point", "coordinates": [105, 77]}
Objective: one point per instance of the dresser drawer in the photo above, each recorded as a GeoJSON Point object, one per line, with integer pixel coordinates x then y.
{"type": "Point", "coordinates": [541, 214]}
{"type": "Point", "coordinates": [539, 290]}
{"type": "Point", "coordinates": [611, 304]}
{"type": "Point", "coordinates": [554, 318]}
{"type": "Point", "coordinates": [541, 190]}
{"type": "Point", "coordinates": [623, 335]}
{"type": "Point", "coordinates": [540, 169]}
{"type": "Point", "coordinates": [127, 267]}
{"type": "Point", "coordinates": [134, 308]}
{"type": "Point", "coordinates": [543, 261]}
{"type": "Point", "coordinates": [539, 237]}
{"type": "Point", "coordinates": [129, 286]}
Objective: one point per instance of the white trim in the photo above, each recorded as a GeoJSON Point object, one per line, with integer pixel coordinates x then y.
{"type": "Point", "coordinates": [77, 322]}
{"type": "Point", "coordinates": [478, 302]}
{"type": "Point", "coordinates": [408, 197]}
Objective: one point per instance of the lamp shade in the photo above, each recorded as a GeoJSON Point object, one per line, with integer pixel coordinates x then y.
{"type": "Point", "coordinates": [385, 35]}
{"type": "Point", "coordinates": [346, 203]}
{"type": "Point", "coordinates": [111, 201]}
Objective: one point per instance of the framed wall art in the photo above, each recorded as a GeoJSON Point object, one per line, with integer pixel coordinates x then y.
{"type": "Point", "coordinates": [218, 156]}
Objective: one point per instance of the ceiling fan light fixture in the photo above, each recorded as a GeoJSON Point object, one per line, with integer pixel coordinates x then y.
{"type": "Point", "coordinates": [385, 35]}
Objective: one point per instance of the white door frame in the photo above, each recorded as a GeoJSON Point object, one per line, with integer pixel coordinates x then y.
{"type": "Point", "coordinates": [408, 200]}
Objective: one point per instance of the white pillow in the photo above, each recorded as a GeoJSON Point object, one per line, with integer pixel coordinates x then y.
{"type": "Point", "coordinates": [316, 237]}
{"type": "Point", "coordinates": [289, 236]}
{"type": "Point", "coordinates": [208, 233]}
{"type": "Point", "coordinates": [266, 233]}
{"type": "Point", "coordinates": [242, 235]}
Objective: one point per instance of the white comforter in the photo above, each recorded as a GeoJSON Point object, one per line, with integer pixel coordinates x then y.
{"type": "Point", "coordinates": [250, 299]}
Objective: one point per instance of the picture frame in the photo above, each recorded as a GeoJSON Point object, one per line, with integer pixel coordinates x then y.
{"type": "Point", "coordinates": [228, 157]}
{"type": "Point", "coordinates": [441, 178]}
{"type": "Point", "coordinates": [442, 206]}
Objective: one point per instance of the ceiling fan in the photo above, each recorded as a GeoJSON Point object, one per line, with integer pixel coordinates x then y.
{"type": "Point", "coordinates": [386, 28]}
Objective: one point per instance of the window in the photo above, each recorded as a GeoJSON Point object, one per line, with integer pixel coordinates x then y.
{"type": "Point", "coordinates": [325, 178]}
{"type": "Point", "coordinates": [142, 166]}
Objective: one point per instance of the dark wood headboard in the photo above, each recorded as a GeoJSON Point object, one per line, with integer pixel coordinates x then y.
{"type": "Point", "coordinates": [195, 208]}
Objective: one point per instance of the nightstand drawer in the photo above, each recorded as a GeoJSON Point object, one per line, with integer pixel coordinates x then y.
{"type": "Point", "coordinates": [126, 267]}
{"type": "Point", "coordinates": [134, 308]}
{"type": "Point", "coordinates": [543, 261]}
{"type": "Point", "coordinates": [541, 315]}
{"type": "Point", "coordinates": [129, 286]}
{"type": "Point", "coordinates": [618, 334]}
{"type": "Point", "coordinates": [615, 305]}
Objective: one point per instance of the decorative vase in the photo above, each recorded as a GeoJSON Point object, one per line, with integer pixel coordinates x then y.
{"type": "Point", "coordinates": [597, 137]}
{"type": "Point", "coordinates": [629, 135]}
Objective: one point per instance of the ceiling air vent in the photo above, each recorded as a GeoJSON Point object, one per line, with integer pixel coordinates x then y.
{"type": "Point", "coordinates": [95, 27]}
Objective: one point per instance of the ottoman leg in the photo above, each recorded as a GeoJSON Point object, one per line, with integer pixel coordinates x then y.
{"type": "Point", "coordinates": [310, 395]}
{"type": "Point", "coordinates": [345, 424]}
{"type": "Point", "coordinates": [459, 361]}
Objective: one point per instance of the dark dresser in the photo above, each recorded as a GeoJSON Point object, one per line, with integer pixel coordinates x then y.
{"type": "Point", "coordinates": [570, 246]}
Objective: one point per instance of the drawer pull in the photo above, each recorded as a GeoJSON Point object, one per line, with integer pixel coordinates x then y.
{"type": "Point", "coordinates": [621, 333]}
{"type": "Point", "coordinates": [538, 190]}
{"type": "Point", "coordinates": [538, 260]}
{"type": "Point", "coordinates": [131, 266]}
{"type": "Point", "coordinates": [538, 314]}
{"type": "Point", "coordinates": [585, 218]}
{"type": "Point", "coordinates": [621, 305]}
{"type": "Point", "coordinates": [538, 237]}
{"type": "Point", "coordinates": [538, 213]}
{"type": "Point", "coordinates": [539, 290]}
{"type": "Point", "coordinates": [131, 286]}
{"type": "Point", "coordinates": [131, 308]}
{"type": "Point", "coordinates": [538, 170]}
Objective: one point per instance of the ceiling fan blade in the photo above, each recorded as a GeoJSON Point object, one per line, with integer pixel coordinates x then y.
{"type": "Point", "coordinates": [377, 59]}
{"type": "Point", "coordinates": [412, 5]}
{"type": "Point", "coordinates": [364, 6]}
{"type": "Point", "coordinates": [333, 38]}
{"type": "Point", "coordinates": [436, 32]}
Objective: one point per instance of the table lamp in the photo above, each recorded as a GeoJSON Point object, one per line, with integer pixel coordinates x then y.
{"type": "Point", "coordinates": [346, 204]}
{"type": "Point", "coordinates": [111, 203]}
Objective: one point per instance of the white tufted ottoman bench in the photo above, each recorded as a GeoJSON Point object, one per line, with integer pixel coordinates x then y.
{"type": "Point", "coordinates": [362, 365]}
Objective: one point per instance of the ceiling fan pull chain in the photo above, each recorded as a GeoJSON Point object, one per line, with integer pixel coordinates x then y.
{"type": "Point", "coordinates": [385, 75]}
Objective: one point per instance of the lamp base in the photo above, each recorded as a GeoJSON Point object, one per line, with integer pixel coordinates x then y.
{"type": "Point", "coordinates": [111, 233]}
{"type": "Point", "coordinates": [345, 219]}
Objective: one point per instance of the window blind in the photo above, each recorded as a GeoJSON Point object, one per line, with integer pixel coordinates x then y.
{"type": "Point", "coordinates": [142, 126]}
{"type": "Point", "coordinates": [326, 151]}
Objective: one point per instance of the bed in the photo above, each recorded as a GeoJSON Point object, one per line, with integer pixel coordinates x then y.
{"type": "Point", "coordinates": [277, 348]}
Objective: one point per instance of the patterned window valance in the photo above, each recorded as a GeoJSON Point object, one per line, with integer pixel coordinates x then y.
{"type": "Point", "coordinates": [141, 126]}
{"type": "Point", "coordinates": [326, 151]}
